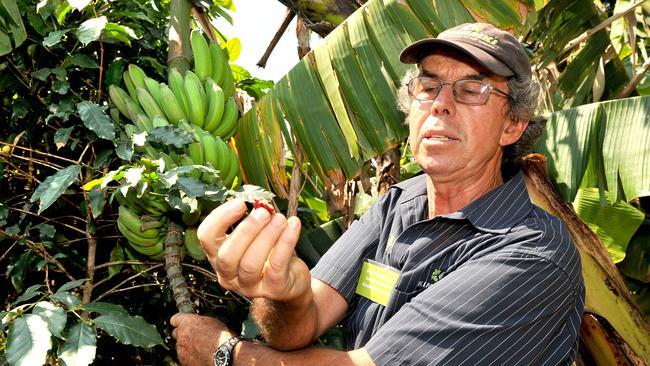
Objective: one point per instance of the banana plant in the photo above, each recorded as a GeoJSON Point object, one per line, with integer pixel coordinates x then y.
{"type": "Point", "coordinates": [338, 105]}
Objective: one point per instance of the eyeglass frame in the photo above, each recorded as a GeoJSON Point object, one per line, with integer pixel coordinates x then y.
{"type": "Point", "coordinates": [489, 87]}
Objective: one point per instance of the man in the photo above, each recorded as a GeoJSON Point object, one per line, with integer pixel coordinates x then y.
{"type": "Point", "coordinates": [452, 267]}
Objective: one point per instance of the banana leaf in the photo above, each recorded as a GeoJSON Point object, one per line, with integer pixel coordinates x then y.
{"type": "Point", "coordinates": [614, 222]}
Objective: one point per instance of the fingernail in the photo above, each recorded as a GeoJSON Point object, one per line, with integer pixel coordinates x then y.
{"type": "Point", "coordinates": [260, 214]}
{"type": "Point", "coordinates": [293, 222]}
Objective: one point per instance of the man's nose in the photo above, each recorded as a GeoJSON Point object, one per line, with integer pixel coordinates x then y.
{"type": "Point", "coordinates": [444, 102]}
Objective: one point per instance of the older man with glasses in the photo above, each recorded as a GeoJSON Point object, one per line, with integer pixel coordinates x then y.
{"type": "Point", "coordinates": [451, 267]}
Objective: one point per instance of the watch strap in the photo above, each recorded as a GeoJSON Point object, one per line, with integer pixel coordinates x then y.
{"type": "Point", "coordinates": [228, 346]}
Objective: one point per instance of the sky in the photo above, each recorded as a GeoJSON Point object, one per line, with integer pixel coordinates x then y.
{"type": "Point", "coordinates": [255, 23]}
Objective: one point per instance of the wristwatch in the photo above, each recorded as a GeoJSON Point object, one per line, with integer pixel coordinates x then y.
{"type": "Point", "coordinates": [223, 355]}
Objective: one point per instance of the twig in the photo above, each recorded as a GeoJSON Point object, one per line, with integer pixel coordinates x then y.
{"type": "Point", "coordinates": [201, 270]}
{"type": "Point", "coordinates": [101, 70]}
{"type": "Point", "coordinates": [116, 287]}
{"type": "Point", "coordinates": [90, 262]}
{"type": "Point", "coordinates": [276, 38]}
{"type": "Point", "coordinates": [40, 249]}
{"type": "Point", "coordinates": [14, 146]}
{"type": "Point", "coordinates": [30, 160]}
{"type": "Point", "coordinates": [576, 41]}
{"type": "Point", "coordinates": [52, 220]}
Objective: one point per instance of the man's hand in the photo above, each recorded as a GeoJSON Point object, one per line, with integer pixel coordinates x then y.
{"type": "Point", "coordinates": [197, 337]}
{"type": "Point", "coordinates": [257, 259]}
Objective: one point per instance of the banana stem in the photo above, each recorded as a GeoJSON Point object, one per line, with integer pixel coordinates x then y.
{"type": "Point", "coordinates": [180, 51]}
{"type": "Point", "coordinates": [606, 293]}
{"type": "Point", "coordinates": [180, 289]}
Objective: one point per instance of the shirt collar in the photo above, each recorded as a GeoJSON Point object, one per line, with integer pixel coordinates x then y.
{"type": "Point", "coordinates": [496, 212]}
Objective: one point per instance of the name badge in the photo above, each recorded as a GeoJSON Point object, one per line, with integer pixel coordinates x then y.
{"type": "Point", "coordinates": [377, 281]}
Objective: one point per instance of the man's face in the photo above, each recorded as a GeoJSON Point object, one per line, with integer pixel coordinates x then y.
{"type": "Point", "coordinates": [454, 142]}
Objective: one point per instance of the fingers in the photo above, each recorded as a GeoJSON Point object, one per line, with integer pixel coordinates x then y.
{"type": "Point", "coordinates": [212, 231]}
{"type": "Point", "coordinates": [252, 262]}
{"type": "Point", "coordinates": [283, 250]}
{"type": "Point", "coordinates": [226, 261]}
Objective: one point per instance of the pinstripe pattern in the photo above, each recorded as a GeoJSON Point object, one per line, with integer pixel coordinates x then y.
{"type": "Point", "coordinates": [509, 289]}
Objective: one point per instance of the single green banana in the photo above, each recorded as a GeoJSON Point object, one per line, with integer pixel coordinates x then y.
{"type": "Point", "coordinates": [137, 76]}
{"type": "Point", "coordinates": [228, 135]}
{"type": "Point", "coordinates": [134, 223]}
{"type": "Point", "coordinates": [177, 85]}
{"type": "Point", "coordinates": [229, 118]}
{"type": "Point", "coordinates": [201, 53]}
{"type": "Point", "coordinates": [233, 170]}
{"type": "Point", "coordinates": [153, 251]}
{"type": "Point", "coordinates": [159, 121]}
{"type": "Point", "coordinates": [153, 87]}
{"type": "Point", "coordinates": [195, 151]}
{"type": "Point", "coordinates": [219, 62]}
{"type": "Point", "coordinates": [193, 245]}
{"type": "Point", "coordinates": [210, 150]}
{"type": "Point", "coordinates": [148, 103]}
{"type": "Point", "coordinates": [132, 108]}
{"type": "Point", "coordinates": [143, 122]}
{"type": "Point", "coordinates": [118, 97]}
{"type": "Point", "coordinates": [216, 105]}
{"type": "Point", "coordinates": [228, 85]}
{"type": "Point", "coordinates": [130, 86]}
{"type": "Point", "coordinates": [115, 114]}
{"type": "Point", "coordinates": [170, 105]}
{"type": "Point", "coordinates": [196, 99]}
{"type": "Point", "coordinates": [224, 154]}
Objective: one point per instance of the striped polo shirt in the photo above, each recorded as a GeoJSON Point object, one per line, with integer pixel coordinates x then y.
{"type": "Point", "coordinates": [496, 283]}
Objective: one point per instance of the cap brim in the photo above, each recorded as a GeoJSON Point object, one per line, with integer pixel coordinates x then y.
{"type": "Point", "coordinates": [415, 52]}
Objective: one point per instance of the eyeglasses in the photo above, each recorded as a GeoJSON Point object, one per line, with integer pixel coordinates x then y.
{"type": "Point", "coordinates": [470, 92]}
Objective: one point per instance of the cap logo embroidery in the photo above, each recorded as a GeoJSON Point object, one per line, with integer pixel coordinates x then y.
{"type": "Point", "coordinates": [478, 36]}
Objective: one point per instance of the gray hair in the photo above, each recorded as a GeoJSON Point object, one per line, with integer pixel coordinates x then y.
{"type": "Point", "coordinates": [522, 105]}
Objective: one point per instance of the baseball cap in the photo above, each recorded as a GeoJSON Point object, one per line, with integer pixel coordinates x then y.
{"type": "Point", "coordinates": [495, 49]}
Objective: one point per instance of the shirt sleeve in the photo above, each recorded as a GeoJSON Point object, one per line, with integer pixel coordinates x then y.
{"type": "Point", "coordinates": [340, 267]}
{"type": "Point", "coordinates": [505, 308]}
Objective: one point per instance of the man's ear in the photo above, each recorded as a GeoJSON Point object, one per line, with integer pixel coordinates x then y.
{"type": "Point", "coordinates": [512, 132]}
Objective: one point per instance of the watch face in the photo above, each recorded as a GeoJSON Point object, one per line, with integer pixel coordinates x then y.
{"type": "Point", "coordinates": [222, 357]}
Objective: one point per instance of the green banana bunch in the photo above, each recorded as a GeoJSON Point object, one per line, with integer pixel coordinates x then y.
{"type": "Point", "coordinates": [145, 234]}
{"type": "Point", "coordinates": [192, 244]}
{"type": "Point", "coordinates": [228, 124]}
{"type": "Point", "coordinates": [201, 53]}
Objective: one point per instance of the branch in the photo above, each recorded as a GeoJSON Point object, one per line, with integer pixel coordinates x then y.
{"type": "Point", "coordinates": [276, 38]}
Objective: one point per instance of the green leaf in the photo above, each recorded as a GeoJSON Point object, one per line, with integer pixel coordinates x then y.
{"type": "Point", "coordinates": [61, 86]}
{"type": "Point", "coordinates": [83, 61]}
{"type": "Point", "coordinates": [54, 186]}
{"type": "Point", "coordinates": [41, 74]}
{"type": "Point", "coordinates": [61, 136]}
{"type": "Point", "coordinates": [129, 330]}
{"type": "Point", "coordinates": [97, 201]}
{"type": "Point", "coordinates": [117, 255]}
{"type": "Point", "coordinates": [53, 315]}
{"type": "Point", "coordinates": [613, 223]}
{"type": "Point", "coordinates": [124, 148]}
{"type": "Point", "coordinates": [637, 256]}
{"type": "Point", "coordinates": [91, 29]}
{"type": "Point", "coordinates": [67, 299]}
{"type": "Point", "coordinates": [28, 341]}
{"type": "Point", "coordinates": [54, 37]}
{"type": "Point", "coordinates": [80, 347]}
{"type": "Point", "coordinates": [170, 136]}
{"type": "Point", "coordinates": [233, 46]}
{"type": "Point", "coordinates": [96, 120]}
{"type": "Point", "coordinates": [70, 285]}
{"type": "Point", "coordinates": [105, 308]}
{"type": "Point", "coordinates": [250, 193]}
{"type": "Point", "coordinates": [29, 294]}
